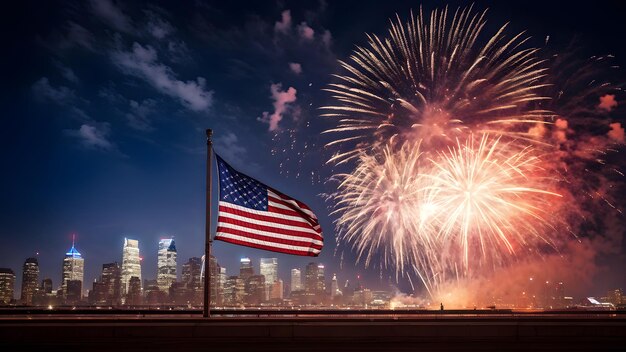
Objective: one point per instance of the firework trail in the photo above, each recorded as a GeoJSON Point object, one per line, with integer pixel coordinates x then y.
{"type": "Point", "coordinates": [454, 171]}
{"type": "Point", "coordinates": [430, 80]}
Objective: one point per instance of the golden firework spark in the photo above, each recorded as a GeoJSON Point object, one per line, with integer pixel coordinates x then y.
{"type": "Point", "coordinates": [431, 80]}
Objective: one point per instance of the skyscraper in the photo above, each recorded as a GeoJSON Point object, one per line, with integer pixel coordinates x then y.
{"type": "Point", "coordinates": [74, 291]}
{"type": "Point", "coordinates": [334, 287]}
{"type": "Point", "coordinates": [30, 280]}
{"type": "Point", "coordinates": [131, 263]}
{"type": "Point", "coordinates": [255, 290]}
{"type": "Point", "coordinates": [269, 269]}
{"type": "Point", "coordinates": [111, 280]}
{"type": "Point", "coordinates": [276, 291]}
{"type": "Point", "coordinates": [234, 291]}
{"type": "Point", "coordinates": [46, 286]}
{"type": "Point", "coordinates": [296, 280]}
{"type": "Point", "coordinates": [7, 284]}
{"type": "Point", "coordinates": [73, 270]}
{"type": "Point", "coordinates": [166, 264]}
{"type": "Point", "coordinates": [245, 270]}
{"type": "Point", "coordinates": [321, 282]}
{"type": "Point", "coordinates": [192, 279]}
{"type": "Point", "coordinates": [215, 275]}
{"type": "Point", "coordinates": [310, 278]}
{"type": "Point", "coordinates": [133, 296]}
{"type": "Point", "coordinates": [220, 287]}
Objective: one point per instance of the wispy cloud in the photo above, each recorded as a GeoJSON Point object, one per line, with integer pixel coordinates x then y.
{"type": "Point", "coordinates": [229, 147]}
{"type": "Point", "coordinates": [67, 73]}
{"type": "Point", "coordinates": [142, 62]}
{"type": "Point", "coordinates": [112, 15]}
{"type": "Point", "coordinates": [138, 117]}
{"type": "Point", "coordinates": [75, 35]}
{"type": "Point", "coordinates": [94, 135]}
{"type": "Point", "coordinates": [44, 91]}
{"type": "Point", "coordinates": [158, 27]}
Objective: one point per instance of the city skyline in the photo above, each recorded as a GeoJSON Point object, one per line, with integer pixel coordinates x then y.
{"type": "Point", "coordinates": [131, 249]}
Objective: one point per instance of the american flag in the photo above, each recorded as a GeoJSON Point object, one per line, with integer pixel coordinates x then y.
{"type": "Point", "coordinates": [255, 215]}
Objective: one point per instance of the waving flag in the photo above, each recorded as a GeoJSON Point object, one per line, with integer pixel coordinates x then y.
{"type": "Point", "coordinates": [255, 215]}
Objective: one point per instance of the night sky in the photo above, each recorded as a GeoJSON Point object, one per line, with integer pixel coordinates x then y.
{"type": "Point", "coordinates": [105, 103]}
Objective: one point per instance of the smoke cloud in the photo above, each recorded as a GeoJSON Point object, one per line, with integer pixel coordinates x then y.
{"type": "Point", "coordinates": [281, 101]}
{"type": "Point", "coordinates": [607, 102]}
{"type": "Point", "coordinates": [617, 132]}
{"type": "Point", "coordinates": [284, 25]}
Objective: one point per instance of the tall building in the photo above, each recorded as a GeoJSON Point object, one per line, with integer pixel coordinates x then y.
{"type": "Point", "coordinates": [334, 287]}
{"type": "Point", "coordinates": [255, 290]}
{"type": "Point", "coordinates": [74, 292]}
{"type": "Point", "coordinates": [269, 269]}
{"type": "Point", "coordinates": [245, 270]}
{"type": "Point", "coordinates": [321, 282]}
{"type": "Point", "coordinates": [133, 295]}
{"type": "Point", "coordinates": [30, 280]}
{"type": "Point", "coordinates": [296, 280]}
{"type": "Point", "coordinates": [166, 266]}
{"type": "Point", "coordinates": [215, 275]}
{"type": "Point", "coordinates": [276, 291]}
{"type": "Point", "coordinates": [192, 279]}
{"type": "Point", "coordinates": [310, 278]}
{"type": "Point", "coordinates": [46, 286]}
{"type": "Point", "coordinates": [7, 284]}
{"type": "Point", "coordinates": [221, 285]}
{"type": "Point", "coordinates": [111, 280]}
{"type": "Point", "coordinates": [73, 270]}
{"type": "Point", "coordinates": [131, 264]}
{"type": "Point", "coordinates": [234, 291]}
{"type": "Point", "coordinates": [97, 294]}
{"type": "Point", "coordinates": [45, 295]}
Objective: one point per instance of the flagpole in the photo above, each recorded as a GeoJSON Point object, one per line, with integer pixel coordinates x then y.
{"type": "Point", "coordinates": [207, 227]}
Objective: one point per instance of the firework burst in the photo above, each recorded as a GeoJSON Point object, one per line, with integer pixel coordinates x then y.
{"type": "Point", "coordinates": [430, 80]}
{"type": "Point", "coordinates": [379, 206]}
{"type": "Point", "coordinates": [458, 168]}
{"type": "Point", "coordinates": [489, 202]}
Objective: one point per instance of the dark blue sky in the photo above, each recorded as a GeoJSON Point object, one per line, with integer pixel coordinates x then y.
{"type": "Point", "coordinates": [104, 106]}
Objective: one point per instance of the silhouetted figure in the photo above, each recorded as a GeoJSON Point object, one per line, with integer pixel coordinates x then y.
{"type": "Point", "coordinates": [441, 306]}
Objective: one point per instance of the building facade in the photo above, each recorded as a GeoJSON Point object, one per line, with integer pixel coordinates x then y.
{"type": "Point", "coordinates": [310, 278]}
{"type": "Point", "coordinates": [73, 270]}
{"type": "Point", "coordinates": [131, 264]}
{"type": "Point", "coordinates": [134, 296]}
{"type": "Point", "coordinates": [245, 268]}
{"type": "Point", "coordinates": [111, 280]}
{"type": "Point", "coordinates": [192, 279]}
{"type": "Point", "coordinates": [269, 269]}
{"type": "Point", "coordinates": [7, 285]}
{"type": "Point", "coordinates": [30, 280]}
{"type": "Point", "coordinates": [166, 264]}
{"type": "Point", "coordinates": [255, 290]}
{"type": "Point", "coordinates": [296, 280]}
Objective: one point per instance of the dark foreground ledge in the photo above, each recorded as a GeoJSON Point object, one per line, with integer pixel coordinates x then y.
{"type": "Point", "coordinates": [345, 333]}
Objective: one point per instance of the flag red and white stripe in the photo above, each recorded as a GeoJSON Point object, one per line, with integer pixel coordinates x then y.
{"type": "Point", "coordinates": [281, 224]}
